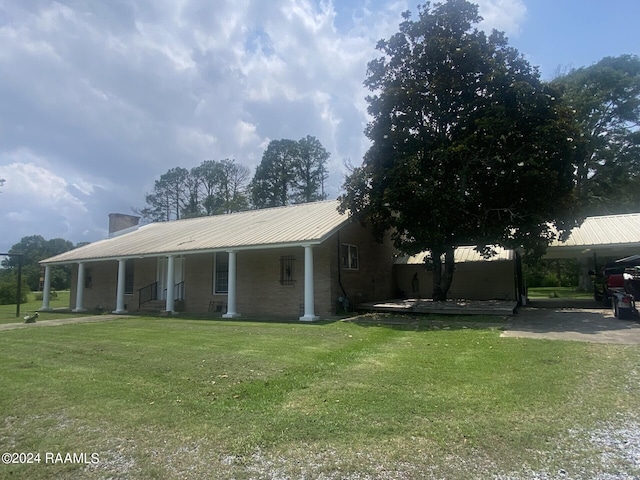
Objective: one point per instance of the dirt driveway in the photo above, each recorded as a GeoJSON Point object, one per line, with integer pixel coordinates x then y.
{"type": "Point", "coordinates": [580, 320]}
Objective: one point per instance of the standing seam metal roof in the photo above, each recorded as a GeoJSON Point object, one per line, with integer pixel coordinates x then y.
{"type": "Point", "coordinates": [604, 230]}
{"type": "Point", "coordinates": [310, 223]}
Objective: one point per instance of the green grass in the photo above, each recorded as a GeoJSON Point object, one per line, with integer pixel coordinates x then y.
{"type": "Point", "coordinates": [557, 292]}
{"type": "Point", "coordinates": [8, 312]}
{"type": "Point", "coordinates": [176, 398]}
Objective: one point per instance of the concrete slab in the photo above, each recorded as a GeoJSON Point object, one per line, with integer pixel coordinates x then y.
{"type": "Point", "coordinates": [589, 322]}
{"type": "Point", "coordinates": [60, 321]}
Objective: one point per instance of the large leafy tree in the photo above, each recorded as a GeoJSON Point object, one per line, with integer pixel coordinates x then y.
{"type": "Point", "coordinates": [33, 249]}
{"type": "Point", "coordinates": [606, 99]}
{"type": "Point", "coordinates": [469, 147]}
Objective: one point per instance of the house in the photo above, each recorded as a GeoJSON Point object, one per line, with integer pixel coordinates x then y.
{"type": "Point", "coordinates": [295, 261]}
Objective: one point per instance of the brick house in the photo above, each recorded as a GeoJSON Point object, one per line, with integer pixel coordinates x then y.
{"type": "Point", "coordinates": [295, 261]}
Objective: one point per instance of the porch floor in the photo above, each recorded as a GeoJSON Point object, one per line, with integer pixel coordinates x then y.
{"type": "Point", "coordinates": [450, 307]}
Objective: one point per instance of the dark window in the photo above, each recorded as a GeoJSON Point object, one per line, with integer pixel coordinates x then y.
{"type": "Point", "coordinates": [349, 256]}
{"type": "Point", "coordinates": [287, 270]}
{"type": "Point", "coordinates": [88, 279]}
{"type": "Point", "coordinates": [221, 273]}
{"type": "Point", "coordinates": [128, 277]}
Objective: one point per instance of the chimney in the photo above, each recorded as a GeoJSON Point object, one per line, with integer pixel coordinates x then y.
{"type": "Point", "coordinates": [119, 224]}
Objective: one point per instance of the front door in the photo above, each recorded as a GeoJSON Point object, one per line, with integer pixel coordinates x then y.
{"type": "Point", "coordinates": [161, 275]}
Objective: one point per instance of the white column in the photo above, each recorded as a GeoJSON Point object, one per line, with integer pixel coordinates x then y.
{"type": "Point", "coordinates": [231, 291]}
{"type": "Point", "coordinates": [171, 281]}
{"type": "Point", "coordinates": [309, 313]}
{"type": "Point", "coordinates": [46, 289]}
{"type": "Point", "coordinates": [120, 290]}
{"type": "Point", "coordinates": [80, 290]}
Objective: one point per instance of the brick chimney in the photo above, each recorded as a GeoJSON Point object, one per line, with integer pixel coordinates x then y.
{"type": "Point", "coordinates": [119, 223]}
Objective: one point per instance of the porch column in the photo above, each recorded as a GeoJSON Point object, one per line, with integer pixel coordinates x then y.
{"type": "Point", "coordinates": [309, 313]}
{"type": "Point", "coordinates": [46, 289]}
{"type": "Point", "coordinates": [120, 289]}
{"type": "Point", "coordinates": [80, 290]}
{"type": "Point", "coordinates": [171, 281]}
{"type": "Point", "coordinates": [231, 291]}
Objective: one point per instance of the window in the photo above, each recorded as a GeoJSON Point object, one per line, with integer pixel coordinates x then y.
{"type": "Point", "coordinates": [349, 256]}
{"type": "Point", "coordinates": [287, 270]}
{"type": "Point", "coordinates": [128, 277]}
{"type": "Point", "coordinates": [221, 273]}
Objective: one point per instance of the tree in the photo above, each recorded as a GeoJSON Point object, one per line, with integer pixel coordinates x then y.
{"type": "Point", "coordinates": [310, 171]}
{"type": "Point", "coordinates": [211, 188]}
{"type": "Point", "coordinates": [290, 172]}
{"type": "Point", "coordinates": [606, 98]}
{"type": "Point", "coordinates": [273, 182]}
{"type": "Point", "coordinates": [33, 249]}
{"type": "Point", "coordinates": [233, 179]}
{"type": "Point", "coordinates": [469, 147]}
{"type": "Point", "coordinates": [169, 198]}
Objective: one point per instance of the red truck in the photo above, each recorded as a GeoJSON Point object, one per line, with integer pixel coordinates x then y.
{"type": "Point", "coordinates": [618, 285]}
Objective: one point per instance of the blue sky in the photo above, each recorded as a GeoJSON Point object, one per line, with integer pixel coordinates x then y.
{"type": "Point", "coordinates": [98, 99]}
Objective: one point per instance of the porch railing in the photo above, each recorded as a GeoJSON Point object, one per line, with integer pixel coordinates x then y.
{"type": "Point", "coordinates": [148, 293]}
{"type": "Point", "coordinates": [178, 291]}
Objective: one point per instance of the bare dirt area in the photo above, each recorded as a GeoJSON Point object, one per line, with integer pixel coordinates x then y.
{"type": "Point", "coordinates": [579, 320]}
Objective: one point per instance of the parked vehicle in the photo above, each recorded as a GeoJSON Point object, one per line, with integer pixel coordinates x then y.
{"type": "Point", "coordinates": [618, 285]}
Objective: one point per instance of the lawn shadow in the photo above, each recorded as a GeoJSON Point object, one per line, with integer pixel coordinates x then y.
{"type": "Point", "coordinates": [424, 322]}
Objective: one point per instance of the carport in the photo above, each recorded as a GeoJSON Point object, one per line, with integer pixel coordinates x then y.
{"type": "Point", "coordinates": [598, 240]}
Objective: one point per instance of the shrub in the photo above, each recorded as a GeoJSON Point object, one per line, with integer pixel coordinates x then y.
{"type": "Point", "coordinates": [9, 291]}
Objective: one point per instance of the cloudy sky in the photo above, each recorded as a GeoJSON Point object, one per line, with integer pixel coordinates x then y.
{"type": "Point", "coordinates": [99, 98]}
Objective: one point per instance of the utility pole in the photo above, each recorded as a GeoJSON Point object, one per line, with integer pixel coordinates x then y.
{"type": "Point", "coordinates": [19, 289]}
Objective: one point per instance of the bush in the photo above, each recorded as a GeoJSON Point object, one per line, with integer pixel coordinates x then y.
{"type": "Point", "coordinates": [9, 291]}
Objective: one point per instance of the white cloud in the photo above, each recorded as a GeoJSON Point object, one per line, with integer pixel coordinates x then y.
{"type": "Point", "coordinates": [503, 15]}
{"type": "Point", "coordinates": [101, 98]}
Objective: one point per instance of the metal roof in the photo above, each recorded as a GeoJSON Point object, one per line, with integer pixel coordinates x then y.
{"type": "Point", "coordinates": [461, 255]}
{"type": "Point", "coordinates": [308, 223]}
{"type": "Point", "coordinates": [604, 230]}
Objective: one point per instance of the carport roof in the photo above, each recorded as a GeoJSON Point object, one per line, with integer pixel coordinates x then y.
{"type": "Point", "coordinates": [461, 255]}
{"type": "Point", "coordinates": [309, 223]}
{"type": "Point", "coordinates": [614, 235]}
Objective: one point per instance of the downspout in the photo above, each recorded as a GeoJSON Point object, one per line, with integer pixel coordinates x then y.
{"type": "Point", "coordinates": [345, 297]}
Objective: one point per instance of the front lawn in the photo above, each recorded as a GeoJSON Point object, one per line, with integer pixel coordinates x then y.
{"type": "Point", "coordinates": [557, 292]}
{"type": "Point", "coordinates": [176, 398]}
{"type": "Point", "coordinates": [60, 301]}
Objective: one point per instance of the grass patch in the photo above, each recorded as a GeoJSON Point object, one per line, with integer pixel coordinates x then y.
{"type": "Point", "coordinates": [557, 292]}
{"type": "Point", "coordinates": [8, 312]}
{"type": "Point", "coordinates": [176, 398]}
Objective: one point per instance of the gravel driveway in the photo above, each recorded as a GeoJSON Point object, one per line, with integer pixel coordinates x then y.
{"type": "Point", "coordinates": [580, 320]}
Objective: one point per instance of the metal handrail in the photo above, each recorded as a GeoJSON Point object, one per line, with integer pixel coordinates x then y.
{"type": "Point", "coordinates": [148, 293]}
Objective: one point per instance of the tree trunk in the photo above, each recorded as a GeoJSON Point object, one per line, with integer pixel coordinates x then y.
{"type": "Point", "coordinates": [442, 272]}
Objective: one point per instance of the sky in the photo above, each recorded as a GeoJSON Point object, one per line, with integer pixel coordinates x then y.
{"type": "Point", "coordinates": [100, 98]}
